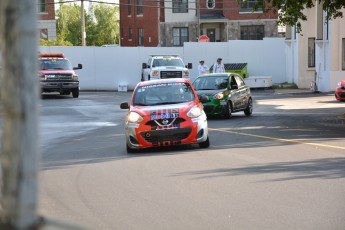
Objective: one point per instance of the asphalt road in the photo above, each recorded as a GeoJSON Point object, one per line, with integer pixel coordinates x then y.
{"type": "Point", "coordinates": [282, 168]}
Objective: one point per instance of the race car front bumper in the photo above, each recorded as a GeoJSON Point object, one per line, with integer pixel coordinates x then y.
{"type": "Point", "coordinates": [193, 131]}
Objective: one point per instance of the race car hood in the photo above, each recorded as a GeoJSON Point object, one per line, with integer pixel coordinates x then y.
{"type": "Point", "coordinates": [56, 71]}
{"type": "Point", "coordinates": [163, 111]}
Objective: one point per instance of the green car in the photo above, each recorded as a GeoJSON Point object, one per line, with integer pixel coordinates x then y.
{"type": "Point", "coordinates": [227, 93]}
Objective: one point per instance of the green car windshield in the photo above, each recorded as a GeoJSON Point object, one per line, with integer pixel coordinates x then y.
{"type": "Point", "coordinates": [163, 94]}
{"type": "Point", "coordinates": [211, 83]}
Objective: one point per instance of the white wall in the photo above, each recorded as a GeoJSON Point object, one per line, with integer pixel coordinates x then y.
{"type": "Point", "coordinates": [106, 67]}
{"type": "Point", "coordinates": [264, 57]}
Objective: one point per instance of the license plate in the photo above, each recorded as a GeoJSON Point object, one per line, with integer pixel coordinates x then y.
{"type": "Point", "coordinates": [164, 116]}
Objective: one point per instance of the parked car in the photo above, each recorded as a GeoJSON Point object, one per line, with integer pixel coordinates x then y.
{"type": "Point", "coordinates": [57, 74]}
{"type": "Point", "coordinates": [340, 91]}
{"type": "Point", "coordinates": [227, 93]}
{"type": "Point", "coordinates": [164, 113]}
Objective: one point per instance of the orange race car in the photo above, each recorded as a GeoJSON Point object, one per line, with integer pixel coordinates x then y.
{"type": "Point", "coordinates": [164, 113]}
{"type": "Point", "coordinates": [340, 91]}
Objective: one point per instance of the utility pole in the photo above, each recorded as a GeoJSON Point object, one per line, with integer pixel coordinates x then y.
{"type": "Point", "coordinates": [159, 21]}
{"type": "Point", "coordinates": [198, 14]}
{"type": "Point", "coordinates": [19, 95]}
{"type": "Point", "coordinates": [83, 33]}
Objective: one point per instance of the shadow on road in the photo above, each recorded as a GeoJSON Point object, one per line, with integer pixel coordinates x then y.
{"type": "Point", "coordinates": [328, 168]}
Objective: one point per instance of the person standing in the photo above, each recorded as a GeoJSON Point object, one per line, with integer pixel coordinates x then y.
{"type": "Point", "coordinates": [203, 69]}
{"type": "Point", "coordinates": [218, 67]}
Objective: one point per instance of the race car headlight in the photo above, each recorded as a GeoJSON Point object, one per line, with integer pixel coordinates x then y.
{"type": "Point", "coordinates": [218, 96]}
{"type": "Point", "coordinates": [185, 73]}
{"type": "Point", "coordinates": [155, 73]}
{"type": "Point", "coordinates": [194, 112]}
{"type": "Point", "coordinates": [134, 117]}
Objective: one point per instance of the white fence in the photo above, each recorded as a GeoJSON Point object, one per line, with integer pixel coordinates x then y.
{"type": "Point", "coordinates": [104, 68]}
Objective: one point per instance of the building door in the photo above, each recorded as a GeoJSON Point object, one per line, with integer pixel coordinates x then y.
{"type": "Point", "coordinates": [211, 33]}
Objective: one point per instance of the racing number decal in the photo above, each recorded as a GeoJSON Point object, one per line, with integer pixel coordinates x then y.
{"type": "Point", "coordinates": [165, 116]}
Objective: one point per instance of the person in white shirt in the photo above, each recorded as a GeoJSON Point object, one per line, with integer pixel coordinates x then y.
{"type": "Point", "coordinates": [219, 66]}
{"type": "Point", "coordinates": [203, 69]}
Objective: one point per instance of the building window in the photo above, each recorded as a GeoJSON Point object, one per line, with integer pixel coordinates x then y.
{"type": "Point", "coordinates": [140, 37]}
{"type": "Point", "coordinates": [311, 52]}
{"type": "Point", "coordinates": [180, 6]}
{"type": "Point", "coordinates": [248, 6]}
{"type": "Point", "coordinates": [41, 6]}
{"type": "Point", "coordinates": [343, 61]}
{"type": "Point", "coordinates": [129, 7]}
{"type": "Point", "coordinates": [44, 34]}
{"type": "Point", "coordinates": [252, 32]}
{"type": "Point", "coordinates": [210, 4]}
{"type": "Point", "coordinates": [130, 34]}
{"type": "Point", "coordinates": [180, 35]}
{"type": "Point", "coordinates": [139, 7]}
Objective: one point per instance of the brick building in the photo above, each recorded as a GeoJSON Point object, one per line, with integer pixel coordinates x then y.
{"type": "Point", "coordinates": [46, 19]}
{"type": "Point", "coordinates": [171, 23]}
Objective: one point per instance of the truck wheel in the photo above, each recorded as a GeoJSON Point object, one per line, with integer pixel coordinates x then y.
{"type": "Point", "coordinates": [75, 92]}
{"type": "Point", "coordinates": [148, 77]}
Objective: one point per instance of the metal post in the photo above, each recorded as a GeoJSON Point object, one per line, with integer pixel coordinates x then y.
{"type": "Point", "coordinates": [198, 13]}
{"type": "Point", "coordinates": [159, 20]}
{"type": "Point", "coordinates": [19, 95]}
{"type": "Point", "coordinates": [83, 33]}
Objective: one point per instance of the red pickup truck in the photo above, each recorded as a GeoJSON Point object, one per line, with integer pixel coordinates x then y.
{"type": "Point", "coordinates": [57, 74]}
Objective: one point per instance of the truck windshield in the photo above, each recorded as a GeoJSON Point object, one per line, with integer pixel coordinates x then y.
{"type": "Point", "coordinates": [167, 62]}
{"type": "Point", "coordinates": [47, 64]}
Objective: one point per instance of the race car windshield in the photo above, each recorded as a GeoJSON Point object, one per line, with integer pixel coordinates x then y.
{"type": "Point", "coordinates": [49, 64]}
{"type": "Point", "coordinates": [211, 83]}
{"type": "Point", "coordinates": [163, 94]}
{"type": "Point", "coordinates": [167, 62]}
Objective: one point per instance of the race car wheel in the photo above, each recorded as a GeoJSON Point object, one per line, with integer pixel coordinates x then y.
{"type": "Point", "coordinates": [75, 92]}
{"type": "Point", "coordinates": [228, 110]}
{"type": "Point", "coordinates": [205, 144]}
{"type": "Point", "coordinates": [130, 150]}
{"type": "Point", "coordinates": [249, 110]}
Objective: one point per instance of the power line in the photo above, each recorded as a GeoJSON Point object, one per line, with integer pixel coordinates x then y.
{"type": "Point", "coordinates": [165, 7]}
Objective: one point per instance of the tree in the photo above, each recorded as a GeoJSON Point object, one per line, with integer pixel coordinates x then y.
{"type": "Point", "coordinates": [292, 11]}
{"type": "Point", "coordinates": [101, 24]}
{"type": "Point", "coordinates": [57, 42]}
{"type": "Point", "coordinates": [105, 29]}
{"type": "Point", "coordinates": [68, 24]}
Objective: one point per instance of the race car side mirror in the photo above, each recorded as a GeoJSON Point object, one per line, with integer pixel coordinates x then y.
{"type": "Point", "coordinates": [124, 105]}
{"type": "Point", "coordinates": [203, 98]}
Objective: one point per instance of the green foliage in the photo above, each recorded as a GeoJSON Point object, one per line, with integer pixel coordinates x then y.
{"type": "Point", "coordinates": [58, 42]}
{"type": "Point", "coordinates": [68, 25]}
{"type": "Point", "coordinates": [105, 30]}
{"type": "Point", "coordinates": [292, 10]}
{"type": "Point", "coordinates": [101, 24]}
